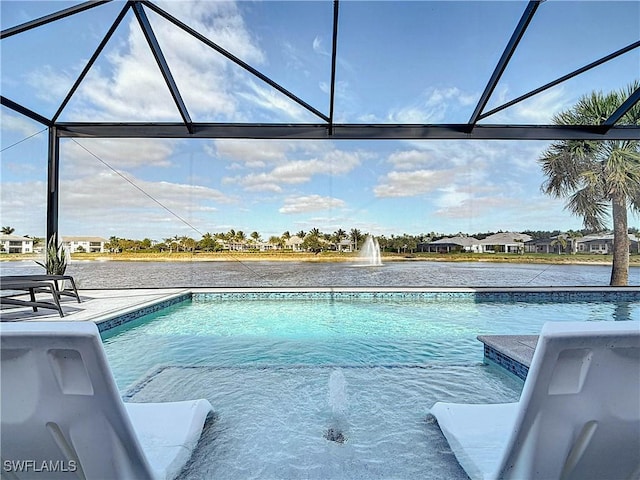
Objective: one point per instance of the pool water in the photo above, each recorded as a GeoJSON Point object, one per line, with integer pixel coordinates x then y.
{"type": "Point", "coordinates": [269, 368]}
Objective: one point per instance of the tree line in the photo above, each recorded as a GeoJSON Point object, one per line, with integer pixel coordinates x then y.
{"type": "Point", "coordinates": [313, 241]}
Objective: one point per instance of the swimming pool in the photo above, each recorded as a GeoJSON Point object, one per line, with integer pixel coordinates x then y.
{"type": "Point", "coordinates": [283, 372]}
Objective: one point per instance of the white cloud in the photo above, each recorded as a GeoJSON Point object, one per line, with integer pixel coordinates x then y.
{"type": "Point", "coordinates": [409, 184]}
{"type": "Point", "coordinates": [118, 153]}
{"type": "Point", "coordinates": [19, 124]}
{"type": "Point", "coordinates": [129, 85]}
{"type": "Point", "coordinates": [332, 162]}
{"type": "Point", "coordinates": [49, 84]}
{"type": "Point", "coordinates": [541, 108]}
{"type": "Point", "coordinates": [220, 21]}
{"type": "Point", "coordinates": [275, 106]}
{"type": "Point", "coordinates": [436, 105]}
{"type": "Point", "coordinates": [411, 159]}
{"type": "Point", "coordinates": [251, 154]}
{"type": "Point", "coordinates": [109, 197]}
{"type": "Point", "coordinates": [24, 206]}
{"type": "Point", "coordinates": [318, 46]}
{"type": "Point", "coordinates": [309, 203]}
{"type": "Point", "coordinates": [537, 110]}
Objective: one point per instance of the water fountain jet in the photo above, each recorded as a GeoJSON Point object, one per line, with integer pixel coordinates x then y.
{"type": "Point", "coordinates": [337, 399]}
{"type": "Point", "coordinates": [370, 252]}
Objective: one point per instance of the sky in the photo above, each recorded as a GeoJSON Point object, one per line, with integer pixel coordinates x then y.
{"type": "Point", "coordinates": [397, 62]}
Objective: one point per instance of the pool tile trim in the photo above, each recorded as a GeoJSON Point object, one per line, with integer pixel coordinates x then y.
{"type": "Point", "coordinates": [519, 294]}
{"type": "Point", "coordinates": [131, 314]}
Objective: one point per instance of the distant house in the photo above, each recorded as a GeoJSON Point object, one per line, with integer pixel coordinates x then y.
{"type": "Point", "coordinates": [505, 242]}
{"type": "Point", "coordinates": [603, 244]}
{"type": "Point", "coordinates": [551, 245]}
{"type": "Point", "coordinates": [294, 243]}
{"type": "Point", "coordinates": [266, 246]}
{"type": "Point", "coordinates": [84, 244]}
{"type": "Point", "coordinates": [15, 244]}
{"type": "Point", "coordinates": [344, 245]}
{"type": "Point", "coordinates": [450, 244]}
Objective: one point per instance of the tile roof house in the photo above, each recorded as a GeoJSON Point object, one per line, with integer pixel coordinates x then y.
{"type": "Point", "coordinates": [504, 242]}
{"type": "Point", "coordinates": [556, 244]}
{"type": "Point", "coordinates": [294, 243]}
{"type": "Point", "coordinates": [451, 244]}
{"type": "Point", "coordinates": [603, 243]}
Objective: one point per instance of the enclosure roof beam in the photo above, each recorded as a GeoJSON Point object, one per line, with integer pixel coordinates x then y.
{"type": "Point", "coordinates": [622, 109]}
{"type": "Point", "coordinates": [234, 59]}
{"type": "Point", "coordinates": [92, 60]}
{"type": "Point", "coordinates": [162, 63]}
{"type": "Point", "coordinates": [351, 131]}
{"type": "Point", "coordinates": [527, 15]}
{"type": "Point", "coordinates": [538, 90]}
{"type": "Point", "coordinates": [334, 51]}
{"type": "Point", "coordinates": [25, 111]}
{"type": "Point", "coordinates": [50, 18]}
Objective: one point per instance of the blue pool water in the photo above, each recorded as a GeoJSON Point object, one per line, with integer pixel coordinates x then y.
{"type": "Point", "coordinates": [266, 366]}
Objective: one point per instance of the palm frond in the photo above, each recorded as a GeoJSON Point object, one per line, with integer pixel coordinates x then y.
{"type": "Point", "coordinates": [593, 212]}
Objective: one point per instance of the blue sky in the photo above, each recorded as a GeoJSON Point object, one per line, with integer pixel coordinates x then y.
{"type": "Point", "coordinates": [398, 62]}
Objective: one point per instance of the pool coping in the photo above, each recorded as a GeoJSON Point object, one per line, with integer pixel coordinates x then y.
{"type": "Point", "coordinates": [108, 321]}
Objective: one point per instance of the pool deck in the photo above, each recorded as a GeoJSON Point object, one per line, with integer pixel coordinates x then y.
{"type": "Point", "coordinates": [97, 305]}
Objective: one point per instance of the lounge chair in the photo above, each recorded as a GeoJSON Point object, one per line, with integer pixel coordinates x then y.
{"type": "Point", "coordinates": [15, 285]}
{"type": "Point", "coordinates": [578, 416]}
{"type": "Point", "coordinates": [61, 406]}
{"type": "Point", "coordinates": [58, 281]}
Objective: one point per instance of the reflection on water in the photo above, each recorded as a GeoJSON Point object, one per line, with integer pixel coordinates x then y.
{"type": "Point", "coordinates": [113, 274]}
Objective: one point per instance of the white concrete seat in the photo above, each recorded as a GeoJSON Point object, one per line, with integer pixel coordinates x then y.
{"type": "Point", "coordinates": [578, 416]}
{"type": "Point", "coordinates": [61, 409]}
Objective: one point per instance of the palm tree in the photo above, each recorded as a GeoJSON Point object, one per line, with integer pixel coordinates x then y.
{"type": "Point", "coordinates": [7, 230]}
{"type": "Point", "coordinates": [598, 177]}
{"type": "Point", "coordinates": [574, 235]}
{"type": "Point", "coordinates": [255, 236]}
{"type": "Point", "coordinates": [355, 235]}
{"type": "Point", "coordinates": [560, 240]}
{"type": "Point", "coordinates": [277, 241]}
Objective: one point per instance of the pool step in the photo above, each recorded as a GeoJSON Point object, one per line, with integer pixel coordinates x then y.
{"type": "Point", "coordinates": [512, 352]}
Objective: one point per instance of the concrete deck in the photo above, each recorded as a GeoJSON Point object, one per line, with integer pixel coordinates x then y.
{"type": "Point", "coordinates": [97, 305]}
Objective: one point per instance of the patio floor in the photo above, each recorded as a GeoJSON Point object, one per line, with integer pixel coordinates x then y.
{"type": "Point", "coordinates": [96, 305]}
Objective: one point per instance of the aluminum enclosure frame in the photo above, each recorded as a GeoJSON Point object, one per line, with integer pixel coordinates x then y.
{"type": "Point", "coordinates": [325, 128]}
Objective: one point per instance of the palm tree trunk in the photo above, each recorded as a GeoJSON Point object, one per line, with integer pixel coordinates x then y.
{"type": "Point", "coordinates": [620, 269]}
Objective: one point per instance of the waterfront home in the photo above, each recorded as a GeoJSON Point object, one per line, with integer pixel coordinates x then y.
{"type": "Point", "coordinates": [603, 244]}
{"type": "Point", "coordinates": [15, 244]}
{"type": "Point", "coordinates": [451, 244]}
{"type": "Point", "coordinates": [84, 244]}
{"type": "Point", "coordinates": [555, 244]}
{"type": "Point", "coordinates": [504, 242]}
{"type": "Point", "coordinates": [294, 243]}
